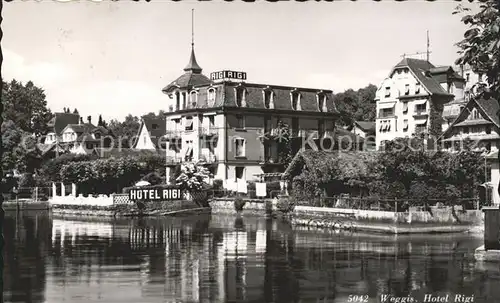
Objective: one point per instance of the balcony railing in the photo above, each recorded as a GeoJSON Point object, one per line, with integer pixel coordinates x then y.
{"type": "Point", "coordinates": [420, 113]}
{"type": "Point", "coordinates": [173, 159]}
{"type": "Point", "coordinates": [173, 134]}
{"type": "Point", "coordinates": [208, 158]}
{"type": "Point", "coordinates": [209, 131]}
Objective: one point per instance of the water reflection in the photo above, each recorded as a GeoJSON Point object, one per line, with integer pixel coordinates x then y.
{"type": "Point", "coordinates": [228, 259]}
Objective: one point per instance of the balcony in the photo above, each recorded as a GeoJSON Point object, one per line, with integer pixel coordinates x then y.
{"type": "Point", "coordinates": [173, 160]}
{"type": "Point", "coordinates": [420, 114]}
{"type": "Point", "coordinates": [208, 158]}
{"type": "Point", "coordinates": [173, 134]}
{"type": "Point", "coordinates": [209, 131]}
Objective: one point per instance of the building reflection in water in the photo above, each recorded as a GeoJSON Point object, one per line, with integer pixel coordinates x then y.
{"type": "Point", "coordinates": [227, 259]}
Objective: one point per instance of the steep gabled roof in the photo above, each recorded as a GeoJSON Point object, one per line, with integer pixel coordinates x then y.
{"type": "Point", "coordinates": [61, 120]}
{"type": "Point", "coordinates": [155, 133]}
{"type": "Point", "coordinates": [421, 70]}
{"type": "Point", "coordinates": [488, 106]}
{"type": "Point", "coordinates": [366, 126]}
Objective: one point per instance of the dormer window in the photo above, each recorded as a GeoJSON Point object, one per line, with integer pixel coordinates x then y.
{"type": "Point", "coordinates": [321, 102]}
{"type": "Point", "coordinates": [417, 88]}
{"type": "Point", "coordinates": [387, 91]}
{"type": "Point", "coordinates": [154, 126]}
{"type": "Point", "coordinates": [193, 97]}
{"type": "Point", "coordinates": [268, 98]}
{"type": "Point", "coordinates": [211, 96]}
{"type": "Point", "coordinates": [240, 96]}
{"type": "Point", "coordinates": [177, 101]}
{"type": "Point", "coordinates": [295, 96]}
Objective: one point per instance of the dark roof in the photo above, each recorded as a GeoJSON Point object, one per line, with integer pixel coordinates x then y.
{"type": "Point", "coordinates": [421, 70]}
{"type": "Point", "coordinates": [187, 81]}
{"type": "Point", "coordinates": [61, 120]}
{"type": "Point", "coordinates": [155, 133]}
{"type": "Point", "coordinates": [191, 77]}
{"type": "Point", "coordinates": [193, 65]}
{"type": "Point", "coordinates": [254, 98]}
{"type": "Point", "coordinates": [491, 109]}
{"type": "Point", "coordinates": [489, 106]}
{"type": "Point", "coordinates": [367, 126]}
{"type": "Point", "coordinates": [125, 152]}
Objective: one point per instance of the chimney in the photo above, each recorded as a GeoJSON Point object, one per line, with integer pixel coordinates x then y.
{"type": "Point", "coordinates": [89, 119]}
{"type": "Point", "coordinates": [81, 120]}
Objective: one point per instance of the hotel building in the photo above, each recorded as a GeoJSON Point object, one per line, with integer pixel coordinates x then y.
{"type": "Point", "coordinates": [415, 98]}
{"type": "Point", "coordinates": [220, 121]}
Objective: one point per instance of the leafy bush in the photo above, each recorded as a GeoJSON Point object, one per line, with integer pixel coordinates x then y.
{"type": "Point", "coordinates": [239, 204]}
{"type": "Point", "coordinates": [193, 177]}
{"type": "Point", "coordinates": [273, 189]}
{"type": "Point", "coordinates": [50, 169]}
{"type": "Point", "coordinates": [286, 204]}
{"type": "Point", "coordinates": [218, 188]}
{"type": "Point", "coordinates": [153, 178]}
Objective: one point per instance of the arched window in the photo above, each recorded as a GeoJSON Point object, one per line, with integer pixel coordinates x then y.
{"type": "Point", "coordinates": [321, 102]}
{"type": "Point", "coordinates": [268, 96]}
{"type": "Point", "coordinates": [193, 98]}
{"type": "Point", "coordinates": [211, 96]}
{"type": "Point", "coordinates": [240, 96]}
{"type": "Point", "coordinates": [295, 99]}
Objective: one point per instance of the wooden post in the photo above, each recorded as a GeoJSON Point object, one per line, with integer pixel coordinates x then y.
{"type": "Point", "coordinates": [491, 228]}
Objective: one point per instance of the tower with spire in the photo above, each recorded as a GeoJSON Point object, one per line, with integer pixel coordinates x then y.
{"type": "Point", "coordinates": [192, 73]}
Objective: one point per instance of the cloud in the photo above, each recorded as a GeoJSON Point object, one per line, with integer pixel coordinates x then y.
{"type": "Point", "coordinates": [44, 74]}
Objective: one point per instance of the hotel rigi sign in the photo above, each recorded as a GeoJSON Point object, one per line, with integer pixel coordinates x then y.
{"type": "Point", "coordinates": [155, 194]}
{"type": "Point", "coordinates": [228, 75]}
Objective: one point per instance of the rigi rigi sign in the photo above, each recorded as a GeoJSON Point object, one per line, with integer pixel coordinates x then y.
{"type": "Point", "coordinates": [228, 74]}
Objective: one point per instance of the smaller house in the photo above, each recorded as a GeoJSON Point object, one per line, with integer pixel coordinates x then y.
{"type": "Point", "coordinates": [478, 121]}
{"type": "Point", "coordinates": [83, 138]}
{"type": "Point", "coordinates": [151, 133]}
{"type": "Point", "coordinates": [58, 124]}
{"type": "Point", "coordinates": [364, 128]}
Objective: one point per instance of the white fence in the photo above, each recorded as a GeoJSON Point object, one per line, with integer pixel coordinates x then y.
{"type": "Point", "coordinates": [73, 199]}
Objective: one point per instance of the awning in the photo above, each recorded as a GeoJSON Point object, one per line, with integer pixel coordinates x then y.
{"type": "Point", "coordinates": [386, 105]}
{"type": "Point", "coordinates": [421, 122]}
{"type": "Point", "coordinates": [189, 123]}
{"type": "Point", "coordinates": [381, 126]}
{"type": "Point", "coordinates": [419, 102]}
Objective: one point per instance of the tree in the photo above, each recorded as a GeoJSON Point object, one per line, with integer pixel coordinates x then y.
{"type": "Point", "coordinates": [356, 105]}
{"type": "Point", "coordinates": [20, 151]}
{"type": "Point", "coordinates": [480, 47]}
{"type": "Point", "coordinates": [25, 105]}
{"type": "Point", "coordinates": [125, 131]}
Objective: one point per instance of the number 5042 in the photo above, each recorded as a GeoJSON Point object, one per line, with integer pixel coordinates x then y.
{"type": "Point", "coordinates": [356, 298]}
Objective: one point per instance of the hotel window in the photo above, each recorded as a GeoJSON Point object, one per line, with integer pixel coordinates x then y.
{"type": "Point", "coordinates": [386, 112]}
{"type": "Point", "coordinates": [295, 126]}
{"type": "Point", "coordinates": [407, 89]}
{"type": "Point", "coordinates": [420, 108]}
{"type": "Point", "coordinates": [467, 77]}
{"type": "Point", "coordinates": [420, 128]}
{"type": "Point", "coordinates": [211, 97]}
{"type": "Point", "coordinates": [184, 100]}
{"type": "Point", "coordinates": [239, 172]}
{"type": "Point", "coordinates": [240, 121]}
{"type": "Point", "coordinates": [321, 128]}
{"type": "Point", "coordinates": [321, 102]}
{"type": "Point", "coordinates": [154, 126]}
{"type": "Point", "coordinates": [405, 125]}
{"type": "Point", "coordinates": [405, 107]}
{"type": "Point", "coordinates": [177, 101]}
{"type": "Point", "coordinates": [466, 130]}
{"type": "Point", "coordinates": [417, 88]}
{"type": "Point", "coordinates": [267, 124]}
{"type": "Point", "coordinates": [295, 96]}
{"type": "Point", "coordinates": [240, 96]}
{"type": "Point", "coordinates": [488, 129]}
{"type": "Point", "coordinates": [388, 91]}
{"type": "Point", "coordinates": [268, 98]}
{"type": "Point", "coordinates": [189, 123]}
{"type": "Point", "coordinates": [192, 99]}
{"type": "Point", "coordinates": [239, 145]}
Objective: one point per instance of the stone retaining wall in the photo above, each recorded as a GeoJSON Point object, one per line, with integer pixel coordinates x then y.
{"type": "Point", "coordinates": [251, 207]}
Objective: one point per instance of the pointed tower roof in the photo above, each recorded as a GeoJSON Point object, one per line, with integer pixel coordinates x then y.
{"type": "Point", "coordinates": [193, 66]}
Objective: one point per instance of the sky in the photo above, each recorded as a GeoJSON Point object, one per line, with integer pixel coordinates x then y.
{"type": "Point", "coordinates": [113, 58]}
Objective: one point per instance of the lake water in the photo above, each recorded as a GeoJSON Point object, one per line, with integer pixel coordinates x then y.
{"type": "Point", "coordinates": [231, 259]}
